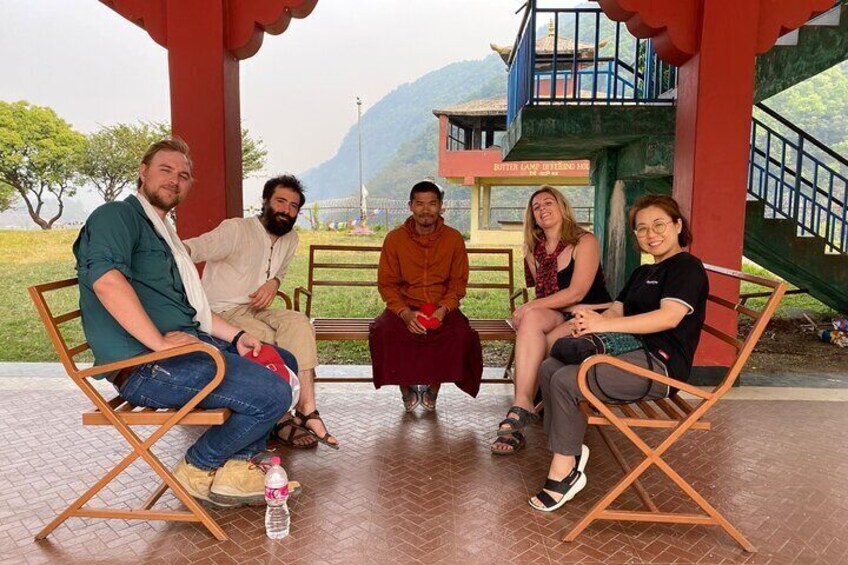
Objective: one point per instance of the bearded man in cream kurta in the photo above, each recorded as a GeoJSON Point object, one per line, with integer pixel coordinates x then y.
{"type": "Point", "coordinates": [246, 261]}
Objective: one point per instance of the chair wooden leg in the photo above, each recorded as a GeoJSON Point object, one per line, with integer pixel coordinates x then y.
{"type": "Point", "coordinates": [706, 506]}
{"type": "Point", "coordinates": [194, 507]}
{"type": "Point", "coordinates": [599, 511]}
{"type": "Point", "coordinates": [88, 495]}
{"type": "Point", "coordinates": [155, 496]}
{"type": "Point", "coordinates": [196, 512]}
{"type": "Point", "coordinates": [600, 506]}
{"type": "Point", "coordinates": [508, 372]}
{"type": "Point", "coordinates": [619, 457]}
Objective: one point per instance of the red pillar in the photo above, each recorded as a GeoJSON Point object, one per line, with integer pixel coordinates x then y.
{"type": "Point", "coordinates": [205, 112]}
{"type": "Point", "coordinates": [713, 128]}
{"type": "Point", "coordinates": [205, 41]}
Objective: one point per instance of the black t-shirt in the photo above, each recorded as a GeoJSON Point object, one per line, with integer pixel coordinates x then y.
{"type": "Point", "coordinates": [681, 278]}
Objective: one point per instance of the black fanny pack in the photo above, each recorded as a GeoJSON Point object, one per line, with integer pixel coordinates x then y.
{"type": "Point", "coordinates": [575, 350]}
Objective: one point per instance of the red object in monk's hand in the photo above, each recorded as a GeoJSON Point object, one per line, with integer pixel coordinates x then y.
{"type": "Point", "coordinates": [428, 310]}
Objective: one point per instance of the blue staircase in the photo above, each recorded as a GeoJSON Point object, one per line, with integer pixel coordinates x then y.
{"type": "Point", "coordinates": [796, 223]}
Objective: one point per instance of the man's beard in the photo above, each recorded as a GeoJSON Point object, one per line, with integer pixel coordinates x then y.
{"type": "Point", "coordinates": [158, 202]}
{"type": "Point", "coordinates": [277, 224]}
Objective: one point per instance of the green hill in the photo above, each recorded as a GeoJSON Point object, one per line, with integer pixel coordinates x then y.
{"type": "Point", "coordinates": [395, 131]}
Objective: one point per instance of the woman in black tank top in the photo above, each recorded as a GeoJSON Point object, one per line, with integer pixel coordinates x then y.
{"type": "Point", "coordinates": [562, 261]}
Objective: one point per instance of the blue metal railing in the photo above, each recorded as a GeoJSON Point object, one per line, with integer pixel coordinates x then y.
{"type": "Point", "coordinates": [521, 63]}
{"type": "Point", "coordinates": [584, 58]}
{"type": "Point", "coordinates": [798, 178]}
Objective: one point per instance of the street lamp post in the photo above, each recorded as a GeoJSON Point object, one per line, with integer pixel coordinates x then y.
{"type": "Point", "coordinates": [359, 132]}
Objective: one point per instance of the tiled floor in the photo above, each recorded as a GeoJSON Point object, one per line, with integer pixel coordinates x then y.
{"type": "Point", "coordinates": [425, 489]}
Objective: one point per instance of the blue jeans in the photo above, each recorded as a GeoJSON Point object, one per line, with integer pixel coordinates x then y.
{"type": "Point", "coordinates": [256, 396]}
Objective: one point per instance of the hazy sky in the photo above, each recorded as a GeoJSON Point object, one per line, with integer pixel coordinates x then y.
{"type": "Point", "coordinates": [297, 94]}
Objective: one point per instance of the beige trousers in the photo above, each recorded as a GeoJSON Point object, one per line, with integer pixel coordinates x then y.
{"type": "Point", "coordinates": [288, 329]}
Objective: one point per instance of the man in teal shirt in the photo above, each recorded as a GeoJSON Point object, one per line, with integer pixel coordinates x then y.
{"type": "Point", "coordinates": [139, 292]}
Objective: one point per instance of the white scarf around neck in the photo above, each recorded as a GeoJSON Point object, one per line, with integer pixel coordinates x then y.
{"type": "Point", "coordinates": [188, 272]}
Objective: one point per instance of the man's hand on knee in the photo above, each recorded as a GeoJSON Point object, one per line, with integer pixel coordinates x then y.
{"type": "Point", "coordinates": [263, 296]}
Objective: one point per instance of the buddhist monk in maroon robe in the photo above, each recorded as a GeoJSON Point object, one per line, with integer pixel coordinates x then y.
{"type": "Point", "coordinates": [422, 339]}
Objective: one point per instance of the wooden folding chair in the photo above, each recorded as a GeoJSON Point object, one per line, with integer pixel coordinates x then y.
{"type": "Point", "coordinates": [122, 415]}
{"type": "Point", "coordinates": [674, 413]}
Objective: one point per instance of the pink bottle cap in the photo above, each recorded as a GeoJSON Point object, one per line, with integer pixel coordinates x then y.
{"type": "Point", "coordinates": [275, 461]}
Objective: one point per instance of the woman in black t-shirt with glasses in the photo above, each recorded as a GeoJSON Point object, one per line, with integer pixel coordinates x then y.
{"type": "Point", "coordinates": [663, 304]}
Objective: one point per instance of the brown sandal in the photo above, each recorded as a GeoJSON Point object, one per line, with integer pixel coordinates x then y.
{"type": "Point", "coordinates": [314, 415]}
{"type": "Point", "coordinates": [428, 399]}
{"type": "Point", "coordinates": [410, 396]}
{"type": "Point", "coordinates": [292, 433]}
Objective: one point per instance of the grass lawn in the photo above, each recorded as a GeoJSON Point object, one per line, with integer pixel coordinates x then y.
{"type": "Point", "coordinates": [33, 257]}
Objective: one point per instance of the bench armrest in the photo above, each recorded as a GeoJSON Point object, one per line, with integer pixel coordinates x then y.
{"type": "Point", "coordinates": [297, 292]}
{"type": "Point", "coordinates": [522, 292]}
{"type": "Point", "coordinates": [285, 297]}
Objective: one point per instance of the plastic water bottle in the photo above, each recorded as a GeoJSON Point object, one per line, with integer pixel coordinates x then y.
{"type": "Point", "coordinates": [277, 519]}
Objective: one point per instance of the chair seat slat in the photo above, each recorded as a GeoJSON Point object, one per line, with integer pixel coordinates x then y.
{"type": "Point", "coordinates": [647, 423]}
{"type": "Point", "coordinates": [214, 417]}
{"type": "Point", "coordinates": [682, 404]}
{"type": "Point", "coordinates": [628, 411]}
{"type": "Point", "coordinates": [667, 408]}
{"type": "Point", "coordinates": [646, 408]}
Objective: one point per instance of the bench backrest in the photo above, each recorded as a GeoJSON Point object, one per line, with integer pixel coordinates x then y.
{"type": "Point", "coordinates": [53, 322]}
{"type": "Point", "coordinates": [760, 317]}
{"type": "Point", "coordinates": [343, 266]}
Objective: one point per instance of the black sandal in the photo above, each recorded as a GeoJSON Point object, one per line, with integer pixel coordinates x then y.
{"type": "Point", "coordinates": [515, 426]}
{"type": "Point", "coordinates": [516, 442]}
{"type": "Point", "coordinates": [314, 415]}
{"type": "Point", "coordinates": [567, 487]}
{"type": "Point", "coordinates": [293, 432]}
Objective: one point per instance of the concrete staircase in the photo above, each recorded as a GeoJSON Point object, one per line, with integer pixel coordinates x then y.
{"type": "Point", "coordinates": [804, 261]}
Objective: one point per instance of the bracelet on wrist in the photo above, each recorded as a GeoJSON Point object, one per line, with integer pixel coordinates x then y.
{"type": "Point", "coordinates": [237, 338]}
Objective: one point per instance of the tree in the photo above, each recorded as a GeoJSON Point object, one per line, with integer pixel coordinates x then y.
{"type": "Point", "coordinates": [7, 196]}
{"type": "Point", "coordinates": [39, 157]}
{"type": "Point", "coordinates": [253, 151]}
{"type": "Point", "coordinates": [253, 154]}
{"type": "Point", "coordinates": [111, 157]}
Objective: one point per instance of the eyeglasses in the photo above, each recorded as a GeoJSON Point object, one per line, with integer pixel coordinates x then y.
{"type": "Point", "coordinates": [657, 227]}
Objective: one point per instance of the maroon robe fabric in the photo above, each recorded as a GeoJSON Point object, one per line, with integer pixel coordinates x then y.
{"type": "Point", "coordinates": [449, 354]}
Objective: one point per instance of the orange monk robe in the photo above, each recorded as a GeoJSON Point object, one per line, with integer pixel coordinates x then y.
{"type": "Point", "coordinates": [417, 269]}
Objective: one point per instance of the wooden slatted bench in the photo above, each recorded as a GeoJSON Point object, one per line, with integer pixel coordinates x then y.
{"type": "Point", "coordinates": [122, 415]}
{"type": "Point", "coordinates": [675, 413]}
{"type": "Point", "coordinates": [351, 266]}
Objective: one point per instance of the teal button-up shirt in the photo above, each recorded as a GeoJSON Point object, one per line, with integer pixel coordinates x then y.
{"type": "Point", "coordinates": [119, 236]}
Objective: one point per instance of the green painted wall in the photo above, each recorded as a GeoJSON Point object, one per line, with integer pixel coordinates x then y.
{"type": "Point", "coordinates": [579, 132]}
{"type": "Point", "coordinates": [617, 187]}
